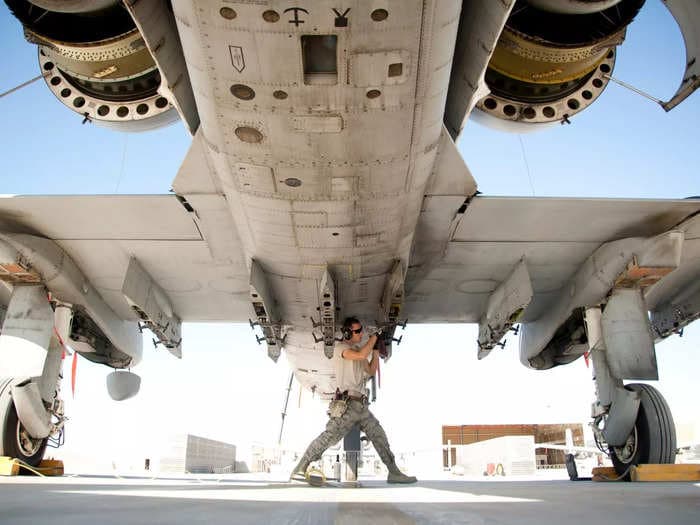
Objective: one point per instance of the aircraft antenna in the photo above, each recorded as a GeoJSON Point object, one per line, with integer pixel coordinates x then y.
{"type": "Point", "coordinates": [286, 402]}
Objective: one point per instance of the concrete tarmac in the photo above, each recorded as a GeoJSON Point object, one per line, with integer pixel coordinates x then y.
{"type": "Point", "coordinates": [237, 499]}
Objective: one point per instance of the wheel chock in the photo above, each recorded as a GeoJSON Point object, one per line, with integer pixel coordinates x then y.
{"type": "Point", "coordinates": [652, 472]}
{"type": "Point", "coordinates": [680, 472]}
{"type": "Point", "coordinates": [14, 467]}
{"type": "Point", "coordinates": [51, 467]}
{"type": "Point", "coordinates": [604, 474]}
{"type": "Point", "coordinates": [8, 466]}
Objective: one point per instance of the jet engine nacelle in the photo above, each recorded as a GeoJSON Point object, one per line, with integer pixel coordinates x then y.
{"type": "Point", "coordinates": [95, 331]}
{"type": "Point", "coordinates": [552, 61]}
{"type": "Point", "coordinates": [573, 7]}
{"type": "Point", "coordinates": [95, 61]}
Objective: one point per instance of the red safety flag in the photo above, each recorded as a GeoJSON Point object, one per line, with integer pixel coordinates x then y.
{"type": "Point", "coordinates": [74, 364]}
{"type": "Point", "coordinates": [60, 342]}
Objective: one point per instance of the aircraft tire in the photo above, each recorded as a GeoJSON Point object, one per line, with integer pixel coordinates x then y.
{"type": "Point", "coordinates": [653, 439]}
{"type": "Point", "coordinates": [30, 451]}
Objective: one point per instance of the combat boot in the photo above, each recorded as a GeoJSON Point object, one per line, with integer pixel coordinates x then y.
{"type": "Point", "coordinates": [299, 472]}
{"type": "Point", "coordinates": [396, 476]}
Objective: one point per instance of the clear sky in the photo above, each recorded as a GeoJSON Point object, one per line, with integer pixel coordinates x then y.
{"type": "Point", "coordinates": [225, 387]}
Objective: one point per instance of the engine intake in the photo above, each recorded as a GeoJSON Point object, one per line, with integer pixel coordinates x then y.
{"type": "Point", "coordinates": [549, 65]}
{"type": "Point", "coordinates": [96, 63]}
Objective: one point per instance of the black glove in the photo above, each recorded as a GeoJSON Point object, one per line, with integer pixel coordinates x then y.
{"type": "Point", "coordinates": [380, 346]}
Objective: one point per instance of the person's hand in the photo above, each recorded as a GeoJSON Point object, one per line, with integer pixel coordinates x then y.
{"type": "Point", "coordinates": [373, 339]}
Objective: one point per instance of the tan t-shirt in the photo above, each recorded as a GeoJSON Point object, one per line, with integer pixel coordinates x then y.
{"type": "Point", "coordinates": [349, 374]}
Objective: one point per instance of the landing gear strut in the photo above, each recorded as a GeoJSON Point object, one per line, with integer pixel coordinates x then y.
{"type": "Point", "coordinates": [632, 422]}
{"type": "Point", "coordinates": [31, 411]}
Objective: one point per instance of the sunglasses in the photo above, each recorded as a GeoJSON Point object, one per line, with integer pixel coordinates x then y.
{"type": "Point", "coordinates": [358, 331]}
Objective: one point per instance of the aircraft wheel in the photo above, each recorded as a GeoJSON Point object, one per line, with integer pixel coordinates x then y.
{"type": "Point", "coordinates": [16, 441]}
{"type": "Point", "coordinates": [653, 438]}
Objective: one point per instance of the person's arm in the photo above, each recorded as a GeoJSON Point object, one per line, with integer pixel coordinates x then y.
{"type": "Point", "coordinates": [371, 367]}
{"type": "Point", "coordinates": [362, 353]}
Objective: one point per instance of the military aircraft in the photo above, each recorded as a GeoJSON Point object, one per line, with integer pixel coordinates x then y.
{"type": "Point", "coordinates": [323, 180]}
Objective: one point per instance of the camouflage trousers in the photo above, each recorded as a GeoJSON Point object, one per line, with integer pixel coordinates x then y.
{"type": "Point", "coordinates": [357, 413]}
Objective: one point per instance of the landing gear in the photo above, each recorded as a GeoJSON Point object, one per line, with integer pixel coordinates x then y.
{"type": "Point", "coordinates": [633, 422]}
{"type": "Point", "coordinates": [653, 438]}
{"type": "Point", "coordinates": [15, 441]}
{"type": "Point", "coordinates": [31, 411]}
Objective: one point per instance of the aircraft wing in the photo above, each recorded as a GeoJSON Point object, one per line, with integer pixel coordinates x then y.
{"type": "Point", "coordinates": [459, 258]}
{"type": "Point", "coordinates": [189, 248]}
{"type": "Point", "coordinates": [462, 252]}
{"type": "Point", "coordinates": [476, 259]}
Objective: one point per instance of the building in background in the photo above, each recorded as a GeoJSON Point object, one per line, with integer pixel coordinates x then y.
{"type": "Point", "coordinates": [456, 435]}
{"type": "Point", "coordinates": [185, 453]}
{"type": "Point", "coordinates": [271, 459]}
{"type": "Point", "coordinates": [501, 456]}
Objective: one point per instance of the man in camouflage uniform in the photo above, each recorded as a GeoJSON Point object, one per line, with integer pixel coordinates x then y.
{"type": "Point", "coordinates": [352, 371]}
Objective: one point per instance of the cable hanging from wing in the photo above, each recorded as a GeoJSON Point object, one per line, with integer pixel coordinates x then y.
{"type": "Point", "coordinates": [527, 164]}
{"type": "Point", "coordinates": [23, 84]}
{"type": "Point", "coordinates": [123, 163]}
